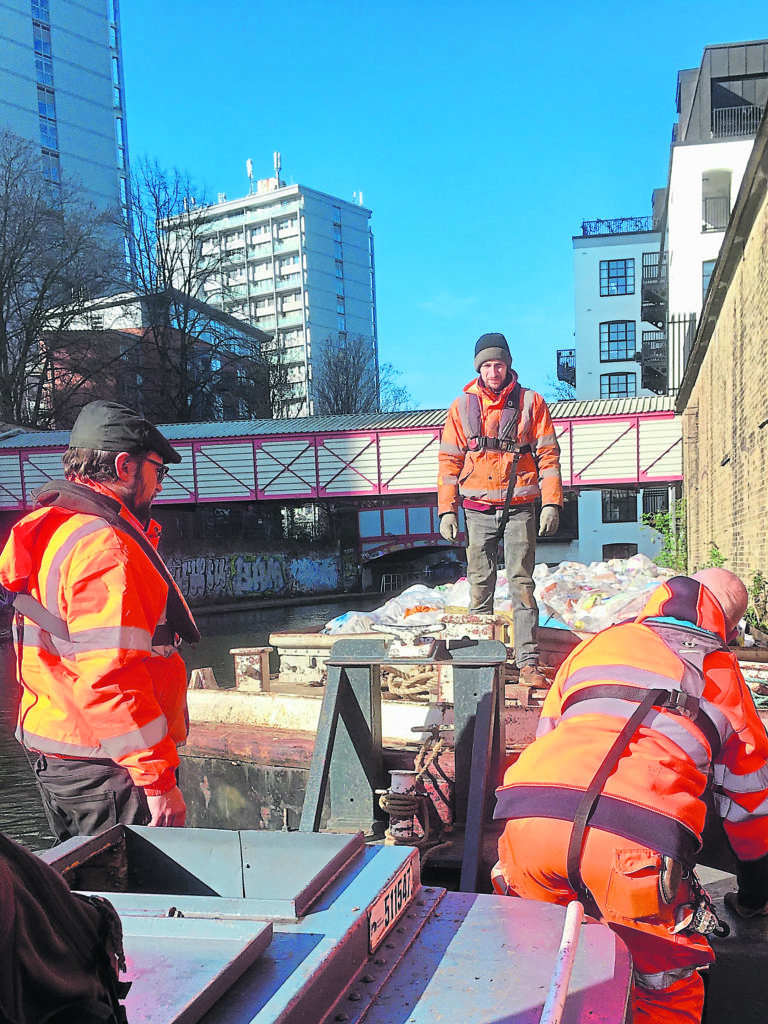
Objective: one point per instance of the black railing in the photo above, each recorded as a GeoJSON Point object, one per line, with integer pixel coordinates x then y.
{"type": "Point", "coordinates": [731, 121]}
{"type": "Point", "coordinates": [654, 360]}
{"type": "Point", "coordinates": [616, 226]}
{"type": "Point", "coordinates": [715, 211]}
{"type": "Point", "coordinates": [653, 305]}
{"type": "Point", "coordinates": [566, 365]}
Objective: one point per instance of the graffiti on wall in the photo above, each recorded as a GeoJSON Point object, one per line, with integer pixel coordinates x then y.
{"type": "Point", "coordinates": [215, 577]}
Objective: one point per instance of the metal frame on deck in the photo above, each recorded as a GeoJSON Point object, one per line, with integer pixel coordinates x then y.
{"type": "Point", "coordinates": [347, 762]}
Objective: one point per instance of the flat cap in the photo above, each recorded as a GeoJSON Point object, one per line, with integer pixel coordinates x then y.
{"type": "Point", "coordinates": [111, 427]}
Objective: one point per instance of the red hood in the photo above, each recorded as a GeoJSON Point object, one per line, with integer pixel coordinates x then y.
{"type": "Point", "coordinates": [686, 599]}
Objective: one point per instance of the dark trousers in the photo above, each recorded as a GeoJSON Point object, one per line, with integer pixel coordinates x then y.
{"type": "Point", "coordinates": [83, 798]}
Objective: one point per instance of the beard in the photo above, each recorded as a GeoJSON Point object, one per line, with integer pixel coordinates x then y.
{"type": "Point", "coordinates": [138, 503]}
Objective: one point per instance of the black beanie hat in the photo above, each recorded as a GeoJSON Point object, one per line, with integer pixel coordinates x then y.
{"type": "Point", "coordinates": [491, 346]}
{"type": "Point", "coordinates": [110, 427]}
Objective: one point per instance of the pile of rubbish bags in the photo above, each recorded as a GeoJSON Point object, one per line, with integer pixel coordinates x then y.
{"type": "Point", "coordinates": [585, 598]}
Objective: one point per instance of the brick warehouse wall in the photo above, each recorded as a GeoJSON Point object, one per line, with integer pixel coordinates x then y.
{"type": "Point", "coordinates": [725, 417]}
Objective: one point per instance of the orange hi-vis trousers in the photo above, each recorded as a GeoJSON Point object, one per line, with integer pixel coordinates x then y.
{"type": "Point", "coordinates": [624, 881]}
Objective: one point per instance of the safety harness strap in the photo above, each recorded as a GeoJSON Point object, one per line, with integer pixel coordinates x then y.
{"type": "Point", "coordinates": [592, 794]}
{"type": "Point", "coordinates": [674, 700]}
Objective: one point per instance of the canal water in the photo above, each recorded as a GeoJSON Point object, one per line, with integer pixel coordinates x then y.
{"type": "Point", "coordinates": [21, 814]}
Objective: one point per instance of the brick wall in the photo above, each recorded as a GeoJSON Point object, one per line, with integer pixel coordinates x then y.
{"type": "Point", "coordinates": [725, 422]}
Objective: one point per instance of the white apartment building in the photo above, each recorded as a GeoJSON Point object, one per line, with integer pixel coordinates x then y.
{"type": "Point", "coordinates": [639, 283]}
{"type": "Point", "coordinates": [298, 264]}
{"type": "Point", "coordinates": [607, 262]}
{"type": "Point", "coordinates": [61, 85]}
{"type": "Point", "coordinates": [719, 106]}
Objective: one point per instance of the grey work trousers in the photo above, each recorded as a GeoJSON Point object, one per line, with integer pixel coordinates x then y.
{"type": "Point", "coordinates": [84, 797]}
{"type": "Point", "coordinates": [519, 557]}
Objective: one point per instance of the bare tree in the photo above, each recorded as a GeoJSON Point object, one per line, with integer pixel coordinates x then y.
{"type": "Point", "coordinates": [347, 379]}
{"type": "Point", "coordinates": [204, 364]}
{"type": "Point", "coordinates": [559, 390]}
{"type": "Point", "coordinates": [56, 252]}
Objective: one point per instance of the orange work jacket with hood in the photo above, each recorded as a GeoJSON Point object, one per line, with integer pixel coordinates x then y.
{"type": "Point", "coordinates": [482, 475]}
{"type": "Point", "coordinates": [708, 734]}
{"type": "Point", "coordinates": [105, 691]}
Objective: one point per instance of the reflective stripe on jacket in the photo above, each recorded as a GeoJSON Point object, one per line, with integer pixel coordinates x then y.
{"type": "Point", "coordinates": [483, 475]}
{"type": "Point", "coordinates": [664, 770]}
{"type": "Point", "coordinates": [103, 691]}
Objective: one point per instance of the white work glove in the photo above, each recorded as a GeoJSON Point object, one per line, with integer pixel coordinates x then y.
{"type": "Point", "coordinates": [548, 521]}
{"type": "Point", "coordinates": [449, 526]}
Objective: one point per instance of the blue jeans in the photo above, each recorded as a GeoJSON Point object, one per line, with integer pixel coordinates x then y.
{"type": "Point", "coordinates": [519, 557]}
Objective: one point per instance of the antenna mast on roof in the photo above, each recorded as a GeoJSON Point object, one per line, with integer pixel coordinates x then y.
{"type": "Point", "coordinates": [249, 172]}
{"type": "Point", "coordinates": [276, 158]}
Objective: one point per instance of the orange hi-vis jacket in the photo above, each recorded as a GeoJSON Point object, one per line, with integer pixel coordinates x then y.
{"type": "Point", "coordinates": [105, 692]}
{"type": "Point", "coordinates": [482, 475]}
{"type": "Point", "coordinates": [710, 728]}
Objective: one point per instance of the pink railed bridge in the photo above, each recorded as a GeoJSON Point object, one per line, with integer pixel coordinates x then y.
{"type": "Point", "coordinates": [624, 442]}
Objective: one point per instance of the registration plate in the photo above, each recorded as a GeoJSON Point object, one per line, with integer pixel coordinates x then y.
{"type": "Point", "coordinates": [383, 914]}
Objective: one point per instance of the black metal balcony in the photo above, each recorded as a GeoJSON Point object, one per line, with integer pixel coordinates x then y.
{"type": "Point", "coordinates": [566, 365]}
{"type": "Point", "coordinates": [654, 362]}
{"type": "Point", "coordinates": [654, 289]}
{"type": "Point", "coordinates": [728, 122]}
{"type": "Point", "coordinates": [715, 211]}
{"type": "Point", "coordinates": [616, 226]}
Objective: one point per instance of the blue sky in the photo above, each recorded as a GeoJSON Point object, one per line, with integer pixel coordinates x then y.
{"type": "Point", "coordinates": [480, 136]}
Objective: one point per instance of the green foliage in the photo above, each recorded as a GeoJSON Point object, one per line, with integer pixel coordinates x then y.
{"type": "Point", "coordinates": [671, 524]}
{"type": "Point", "coordinates": [716, 558]}
{"type": "Point", "coordinates": [757, 610]}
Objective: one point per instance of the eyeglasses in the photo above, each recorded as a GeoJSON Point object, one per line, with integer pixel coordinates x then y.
{"type": "Point", "coordinates": [160, 469]}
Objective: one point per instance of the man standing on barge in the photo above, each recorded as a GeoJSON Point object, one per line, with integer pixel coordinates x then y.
{"type": "Point", "coordinates": [499, 454]}
{"type": "Point", "coordinates": [97, 628]}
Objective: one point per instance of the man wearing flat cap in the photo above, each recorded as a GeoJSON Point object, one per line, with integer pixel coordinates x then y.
{"type": "Point", "coordinates": [499, 456]}
{"type": "Point", "coordinates": [97, 628]}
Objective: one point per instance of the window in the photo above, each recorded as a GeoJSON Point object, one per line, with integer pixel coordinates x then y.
{"type": "Point", "coordinates": [707, 269]}
{"type": "Point", "coordinates": [46, 106]}
{"type": "Point", "coordinates": [337, 250]}
{"type": "Point", "coordinates": [48, 134]}
{"type": "Point", "coordinates": [617, 277]}
{"type": "Point", "coordinates": [618, 551]}
{"type": "Point", "coordinates": [619, 506]}
{"type": "Point", "coordinates": [339, 270]}
{"type": "Point", "coordinates": [42, 38]}
{"type": "Point", "coordinates": [51, 168]}
{"type": "Point", "coordinates": [617, 340]}
{"type": "Point", "coordinates": [618, 385]}
{"type": "Point", "coordinates": [340, 308]}
{"type": "Point", "coordinates": [655, 499]}
{"type": "Point", "coordinates": [341, 322]}
{"type": "Point", "coordinates": [337, 232]}
{"type": "Point", "coordinates": [40, 10]}
{"type": "Point", "coordinates": [44, 69]}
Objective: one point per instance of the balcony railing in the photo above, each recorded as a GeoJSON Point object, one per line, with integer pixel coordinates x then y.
{"type": "Point", "coordinates": [616, 226]}
{"type": "Point", "coordinates": [566, 365]}
{"type": "Point", "coordinates": [715, 211]}
{"type": "Point", "coordinates": [731, 121]}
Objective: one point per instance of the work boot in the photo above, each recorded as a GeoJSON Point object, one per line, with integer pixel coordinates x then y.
{"type": "Point", "coordinates": [531, 676]}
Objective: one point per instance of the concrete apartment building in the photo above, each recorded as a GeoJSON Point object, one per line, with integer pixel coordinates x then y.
{"type": "Point", "coordinates": [298, 264]}
{"type": "Point", "coordinates": [61, 85]}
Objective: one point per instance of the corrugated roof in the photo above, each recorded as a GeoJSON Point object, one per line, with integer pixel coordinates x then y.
{"type": "Point", "coordinates": [611, 407]}
{"type": "Point", "coordinates": [240, 428]}
{"type": "Point", "coordinates": [19, 438]}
